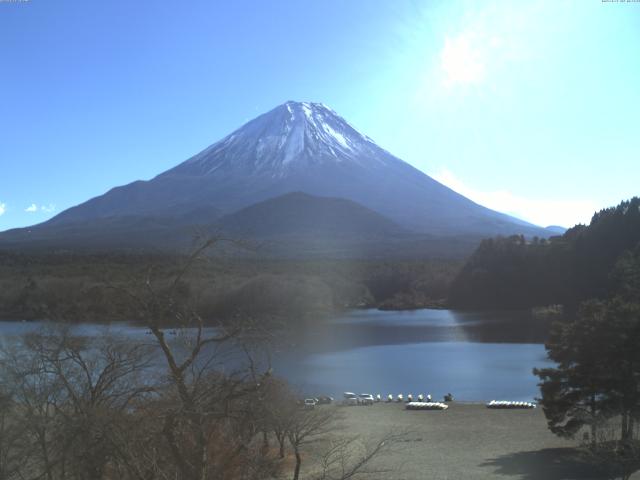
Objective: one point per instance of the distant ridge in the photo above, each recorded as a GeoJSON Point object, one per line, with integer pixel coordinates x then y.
{"type": "Point", "coordinates": [299, 213]}
{"type": "Point", "coordinates": [555, 229]}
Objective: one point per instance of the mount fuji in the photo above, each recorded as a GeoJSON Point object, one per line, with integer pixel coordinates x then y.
{"type": "Point", "coordinates": [296, 147]}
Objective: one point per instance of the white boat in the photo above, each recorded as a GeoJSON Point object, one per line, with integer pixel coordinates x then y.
{"type": "Point", "coordinates": [506, 404]}
{"type": "Point", "coordinates": [426, 406]}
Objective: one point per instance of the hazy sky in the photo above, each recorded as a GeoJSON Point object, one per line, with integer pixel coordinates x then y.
{"type": "Point", "coordinates": [531, 108]}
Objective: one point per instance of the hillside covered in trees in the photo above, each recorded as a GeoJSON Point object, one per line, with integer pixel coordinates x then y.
{"type": "Point", "coordinates": [76, 287]}
{"type": "Point", "coordinates": [512, 272]}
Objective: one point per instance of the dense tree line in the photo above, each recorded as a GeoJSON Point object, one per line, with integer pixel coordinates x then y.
{"type": "Point", "coordinates": [594, 389]}
{"type": "Point", "coordinates": [85, 287]}
{"type": "Point", "coordinates": [515, 272]}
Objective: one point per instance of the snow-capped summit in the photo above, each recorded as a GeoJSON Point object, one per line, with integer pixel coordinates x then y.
{"type": "Point", "coordinates": [297, 147]}
{"type": "Point", "coordinates": [289, 138]}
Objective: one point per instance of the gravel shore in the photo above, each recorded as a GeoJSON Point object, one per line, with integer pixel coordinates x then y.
{"type": "Point", "coordinates": [468, 441]}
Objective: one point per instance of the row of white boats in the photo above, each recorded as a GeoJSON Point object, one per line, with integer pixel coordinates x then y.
{"type": "Point", "coordinates": [508, 404]}
{"type": "Point", "coordinates": [409, 398]}
{"type": "Point", "coordinates": [424, 402]}
{"type": "Point", "coordinates": [426, 406]}
{"type": "Point", "coordinates": [351, 398]}
{"type": "Point", "coordinates": [497, 404]}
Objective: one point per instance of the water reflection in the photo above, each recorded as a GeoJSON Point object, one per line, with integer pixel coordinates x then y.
{"type": "Point", "coordinates": [476, 356]}
{"type": "Point", "coordinates": [374, 327]}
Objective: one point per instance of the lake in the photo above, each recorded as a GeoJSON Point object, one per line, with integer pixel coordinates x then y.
{"type": "Point", "coordinates": [477, 356]}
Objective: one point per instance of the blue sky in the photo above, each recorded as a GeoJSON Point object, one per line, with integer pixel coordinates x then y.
{"type": "Point", "coordinates": [530, 108]}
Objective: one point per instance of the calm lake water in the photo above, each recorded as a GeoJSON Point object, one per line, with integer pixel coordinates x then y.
{"type": "Point", "coordinates": [475, 356]}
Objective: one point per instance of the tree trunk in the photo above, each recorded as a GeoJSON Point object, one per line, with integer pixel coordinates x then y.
{"type": "Point", "coordinates": [45, 453]}
{"type": "Point", "coordinates": [296, 472]}
{"type": "Point", "coordinates": [281, 440]}
{"type": "Point", "coordinates": [202, 457]}
{"type": "Point", "coordinates": [624, 436]}
{"type": "Point", "coordinates": [594, 422]}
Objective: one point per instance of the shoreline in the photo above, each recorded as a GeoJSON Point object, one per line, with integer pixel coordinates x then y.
{"type": "Point", "coordinates": [466, 442]}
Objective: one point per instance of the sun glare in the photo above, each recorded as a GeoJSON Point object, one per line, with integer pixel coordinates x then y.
{"type": "Point", "coordinates": [462, 62]}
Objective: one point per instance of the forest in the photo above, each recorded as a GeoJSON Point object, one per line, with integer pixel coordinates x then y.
{"type": "Point", "coordinates": [592, 391]}
{"type": "Point", "coordinates": [503, 273]}
{"type": "Point", "coordinates": [515, 272]}
{"type": "Point", "coordinates": [78, 287]}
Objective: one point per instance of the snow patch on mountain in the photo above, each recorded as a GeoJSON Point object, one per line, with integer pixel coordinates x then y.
{"type": "Point", "coordinates": [289, 138]}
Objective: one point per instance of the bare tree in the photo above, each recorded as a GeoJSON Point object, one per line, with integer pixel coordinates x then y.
{"type": "Point", "coordinates": [340, 457]}
{"type": "Point", "coordinates": [71, 395]}
{"type": "Point", "coordinates": [306, 426]}
{"type": "Point", "coordinates": [278, 409]}
{"type": "Point", "coordinates": [207, 421]}
{"type": "Point", "coordinates": [35, 396]}
{"type": "Point", "coordinates": [348, 458]}
{"type": "Point", "coordinates": [12, 452]}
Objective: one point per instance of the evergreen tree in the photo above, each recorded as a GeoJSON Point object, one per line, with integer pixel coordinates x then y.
{"type": "Point", "coordinates": [574, 394]}
{"type": "Point", "coordinates": [597, 377]}
{"type": "Point", "coordinates": [512, 273]}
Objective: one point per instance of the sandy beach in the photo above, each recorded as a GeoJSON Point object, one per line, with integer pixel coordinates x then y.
{"type": "Point", "coordinates": [469, 441]}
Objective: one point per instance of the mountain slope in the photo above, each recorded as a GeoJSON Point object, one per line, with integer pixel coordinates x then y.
{"type": "Point", "coordinates": [302, 214]}
{"type": "Point", "coordinates": [296, 147]}
{"type": "Point", "coordinates": [302, 147]}
{"type": "Point", "coordinates": [294, 225]}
